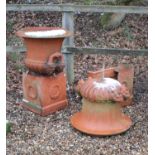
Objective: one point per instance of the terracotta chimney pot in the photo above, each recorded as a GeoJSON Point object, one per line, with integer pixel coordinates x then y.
{"type": "Point", "coordinates": [101, 107]}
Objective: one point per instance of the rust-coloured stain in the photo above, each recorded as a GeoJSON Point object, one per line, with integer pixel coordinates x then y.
{"type": "Point", "coordinates": [101, 107]}
{"type": "Point", "coordinates": [44, 86]}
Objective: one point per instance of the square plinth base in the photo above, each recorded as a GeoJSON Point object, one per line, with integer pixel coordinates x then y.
{"type": "Point", "coordinates": [44, 95]}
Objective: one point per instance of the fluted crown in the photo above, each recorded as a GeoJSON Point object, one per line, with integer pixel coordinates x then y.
{"type": "Point", "coordinates": [103, 89]}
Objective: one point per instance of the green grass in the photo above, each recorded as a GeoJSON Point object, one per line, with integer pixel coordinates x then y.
{"type": "Point", "coordinates": [8, 126]}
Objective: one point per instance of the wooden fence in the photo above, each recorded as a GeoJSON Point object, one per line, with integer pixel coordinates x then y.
{"type": "Point", "coordinates": [68, 12]}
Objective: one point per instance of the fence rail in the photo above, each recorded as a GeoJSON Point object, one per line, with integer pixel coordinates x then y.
{"type": "Point", "coordinates": [107, 51]}
{"type": "Point", "coordinates": [79, 50]}
{"type": "Point", "coordinates": [68, 12]}
{"type": "Point", "coordinates": [77, 8]}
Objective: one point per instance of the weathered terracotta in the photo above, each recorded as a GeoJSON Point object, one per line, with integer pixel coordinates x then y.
{"type": "Point", "coordinates": [44, 94]}
{"type": "Point", "coordinates": [108, 72]}
{"type": "Point", "coordinates": [41, 46]}
{"type": "Point", "coordinates": [100, 119]}
{"type": "Point", "coordinates": [44, 85]}
{"type": "Point", "coordinates": [101, 107]}
{"type": "Point", "coordinates": [124, 73]}
{"type": "Point", "coordinates": [126, 77]}
{"type": "Point", "coordinates": [108, 89]}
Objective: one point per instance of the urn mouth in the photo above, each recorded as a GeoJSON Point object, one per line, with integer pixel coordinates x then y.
{"type": "Point", "coordinates": [43, 32]}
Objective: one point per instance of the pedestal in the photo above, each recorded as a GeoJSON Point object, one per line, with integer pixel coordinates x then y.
{"type": "Point", "coordinates": [44, 94]}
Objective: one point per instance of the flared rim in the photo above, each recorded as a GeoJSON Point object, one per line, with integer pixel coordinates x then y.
{"type": "Point", "coordinates": [23, 32]}
{"type": "Point", "coordinates": [76, 123]}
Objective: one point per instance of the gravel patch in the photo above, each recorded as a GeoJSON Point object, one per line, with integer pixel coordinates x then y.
{"type": "Point", "coordinates": [33, 134]}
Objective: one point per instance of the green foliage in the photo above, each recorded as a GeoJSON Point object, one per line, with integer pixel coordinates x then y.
{"type": "Point", "coordinates": [14, 56]}
{"type": "Point", "coordinates": [92, 2]}
{"type": "Point", "coordinates": [112, 2]}
{"type": "Point", "coordinates": [124, 2]}
{"type": "Point", "coordinates": [8, 77]}
{"type": "Point", "coordinates": [111, 20]}
{"type": "Point", "coordinates": [8, 127]}
{"type": "Point", "coordinates": [9, 25]}
{"type": "Point", "coordinates": [127, 33]}
{"type": "Point", "coordinates": [105, 18]}
{"type": "Point", "coordinates": [127, 2]}
{"type": "Point", "coordinates": [88, 2]}
{"type": "Point", "coordinates": [19, 67]}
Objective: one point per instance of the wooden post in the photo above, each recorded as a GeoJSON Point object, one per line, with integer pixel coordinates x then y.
{"type": "Point", "coordinates": [68, 23]}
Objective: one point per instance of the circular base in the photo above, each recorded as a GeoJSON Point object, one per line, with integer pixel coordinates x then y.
{"type": "Point", "coordinates": [100, 127]}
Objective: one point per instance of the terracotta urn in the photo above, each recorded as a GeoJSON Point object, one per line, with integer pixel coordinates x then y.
{"type": "Point", "coordinates": [44, 84]}
{"type": "Point", "coordinates": [101, 107]}
{"type": "Point", "coordinates": [43, 48]}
